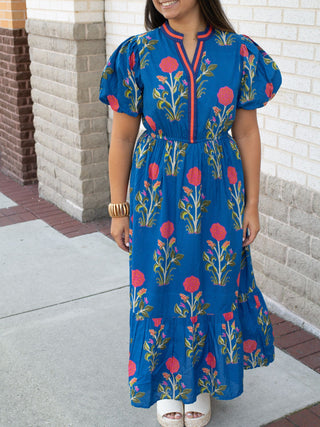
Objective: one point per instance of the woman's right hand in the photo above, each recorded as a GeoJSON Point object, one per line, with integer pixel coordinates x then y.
{"type": "Point", "coordinates": [120, 232]}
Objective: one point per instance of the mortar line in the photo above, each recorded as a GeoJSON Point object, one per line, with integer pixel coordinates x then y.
{"type": "Point", "coordinates": [65, 302]}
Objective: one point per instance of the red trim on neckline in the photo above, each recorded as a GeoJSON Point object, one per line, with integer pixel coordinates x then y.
{"type": "Point", "coordinates": [206, 34]}
{"type": "Point", "coordinates": [198, 57]}
{"type": "Point", "coordinates": [186, 63]}
{"type": "Point", "coordinates": [170, 33]}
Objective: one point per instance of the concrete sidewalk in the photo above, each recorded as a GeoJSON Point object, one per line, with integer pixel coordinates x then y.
{"type": "Point", "coordinates": [64, 340]}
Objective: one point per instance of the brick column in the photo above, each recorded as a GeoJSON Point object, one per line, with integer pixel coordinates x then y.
{"type": "Point", "coordinates": [67, 49]}
{"type": "Point", "coordinates": [17, 155]}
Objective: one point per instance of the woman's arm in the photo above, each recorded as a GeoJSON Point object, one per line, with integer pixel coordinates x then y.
{"type": "Point", "coordinates": [245, 131]}
{"type": "Point", "coordinates": [125, 129]}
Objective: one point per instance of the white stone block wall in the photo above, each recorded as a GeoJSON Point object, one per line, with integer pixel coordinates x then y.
{"type": "Point", "coordinates": [66, 10]}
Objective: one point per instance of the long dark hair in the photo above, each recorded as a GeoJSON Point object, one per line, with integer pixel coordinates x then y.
{"type": "Point", "coordinates": [212, 12]}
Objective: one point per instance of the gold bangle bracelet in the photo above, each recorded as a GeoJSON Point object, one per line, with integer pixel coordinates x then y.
{"type": "Point", "coordinates": [117, 210]}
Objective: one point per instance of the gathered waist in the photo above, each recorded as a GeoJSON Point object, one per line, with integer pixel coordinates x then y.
{"type": "Point", "coordinates": [165, 138]}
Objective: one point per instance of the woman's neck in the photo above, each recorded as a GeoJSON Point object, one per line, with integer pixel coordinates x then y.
{"type": "Point", "coordinates": [189, 27]}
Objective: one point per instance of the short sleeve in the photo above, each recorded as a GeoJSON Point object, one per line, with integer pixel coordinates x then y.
{"type": "Point", "coordinates": [261, 77]}
{"type": "Point", "coordinates": [120, 85]}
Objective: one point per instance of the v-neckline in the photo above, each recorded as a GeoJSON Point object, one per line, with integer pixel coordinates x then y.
{"type": "Point", "coordinates": [179, 37]}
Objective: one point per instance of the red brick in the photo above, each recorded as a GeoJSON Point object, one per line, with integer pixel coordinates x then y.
{"type": "Point", "coordinates": [275, 319]}
{"type": "Point", "coordinates": [313, 360]}
{"type": "Point", "coordinates": [284, 328]}
{"type": "Point", "coordinates": [305, 349]}
{"type": "Point", "coordinates": [304, 418]}
{"type": "Point", "coordinates": [316, 409]}
{"type": "Point", "coordinates": [293, 338]}
{"type": "Point", "coordinates": [280, 423]}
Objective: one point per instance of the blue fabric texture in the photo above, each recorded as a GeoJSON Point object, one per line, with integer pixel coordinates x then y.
{"type": "Point", "coordinates": [197, 316]}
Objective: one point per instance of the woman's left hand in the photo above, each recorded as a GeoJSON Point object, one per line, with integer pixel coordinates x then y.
{"type": "Point", "coordinates": [251, 224]}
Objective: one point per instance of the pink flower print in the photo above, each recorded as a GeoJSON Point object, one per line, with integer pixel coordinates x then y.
{"type": "Point", "coordinates": [228, 316]}
{"type": "Point", "coordinates": [114, 103]}
{"type": "Point", "coordinates": [232, 175]}
{"type": "Point", "coordinates": [238, 280]}
{"type": "Point", "coordinates": [211, 360]}
{"type": "Point", "coordinates": [194, 176]}
{"type": "Point", "coordinates": [208, 61]}
{"type": "Point", "coordinates": [251, 59]}
{"type": "Point", "coordinates": [131, 368]}
{"type": "Point", "coordinates": [225, 95]}
{"type": "Point", "coordinates": [137, 278]}
{"type": "Point", "coordinates": [148, 37]}
{"type": "Point", "coordinates": [216, 110]}
{"type": "Point", "coordinates": [185, 82]}
{"type": "Point", "coordinates": [191, 284]}
{"type": "Point", "coordinates": [167, 229]}
{"type": "Point", "coordinates": [244, 50]}
{"type": "Point", "coordinates": [187, 190]}
{"type": "Point", "coordinates": [218, 231]}
{"type": "Point", "coordinates": [169, 65]}
{"type": "Point", "coordinates": [161, 87]}
{"type": "Point", "coordinates": [249, 346]}
{"type": "Point", "coordinates": [151, 123]}
{"type": "Point", "coordinates": [132, 61]}
{"type": "Point", "coordinates": [153, 171]}
{"type": "Point", "coordinates": [194, 319]}
{"type": "Point", "coordinates": [183, 385]}
{"type": "Point", "coordinates": [162, 79]}
{"type": "Point", "coordinates": [172, 365]}
{"type": "Point", "coordinates": [136, 388]}
{"type": "Point", "coordinates": [157, 321]}
{"type": "Point", "coordinates": [178, 75]}
{"type": "Point", "coordinates": [269, 90]}
{"type": "Point", "coordinates": [178, 377]}
{"type": "Point", "coordinates": [257, 301]}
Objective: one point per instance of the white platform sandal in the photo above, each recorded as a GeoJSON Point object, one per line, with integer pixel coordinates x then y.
{"type": "Point", "coordinates": [201, 405]}
{"type": "Point", "coordinates": [166, 406]}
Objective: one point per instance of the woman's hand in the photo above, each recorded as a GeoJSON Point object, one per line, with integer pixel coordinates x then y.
{"type": "Point", "coordinates": [120, 232]}
{"type": "Point", "coordinates": [251, 225]}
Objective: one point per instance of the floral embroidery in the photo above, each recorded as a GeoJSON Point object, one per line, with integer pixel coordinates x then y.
{"type": "Point", "coordinates": [206, 69]}
{"type": "Point", "coordinates": [255, 357]}
{"type": "Point", "coordinates": [209, 382]}
{"type": "Point", "coordinates": [198, 204]}
{"type": "Point", "coordinates": [222, 119]}
{"type": "Point", "coordinates": [175, 151]}
{"type": "Point", "coordinates": [237, 198]}
{"type": "Point", "coordinates": [218, 258]}
{"type": "Point", "coordinates": [147, 45]}
{"type": "Point", "coordinates": [264, 320]}
{"type": "Point", "coordinates": [230, 338]}
{"type": "Point", "coordinates": [139, 304]}
{"type": "Point", "coordinates": [132, 92]}
{"type": "Point", "coordinates": [135, 394]}
{"type": "Point", "coordinates": [193, 307]}
{"type": "Point", "coordinates": [214, 152]}
{"type": "Point", "coordinates": [107, 70]}
{"type": "Point", "coordinates": [166, 262]}
{"type": "Point", "coordinates": [172, 387]}
{"type": "Point", "coordinates": [171, 98]}
{"type": "Point", "coordinates": [248, 93]}
{"type": "Point", "coordinates": [224, 38]}
{"type": "Point", "coordinates": [156, 343]}
{"type": "Point", "coordinates": [148, 205]}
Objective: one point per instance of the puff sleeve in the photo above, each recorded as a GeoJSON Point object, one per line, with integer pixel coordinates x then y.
{"type": "Point", "coordinates": [120, 84]}
{"type": "Point", "coordinates": [261, 77]}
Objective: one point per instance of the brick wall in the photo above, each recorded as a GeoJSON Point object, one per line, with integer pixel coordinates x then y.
{"type": "Point", "coordinates": [286, 253]}
{"type": "Point", "coordinates": [17, 155]}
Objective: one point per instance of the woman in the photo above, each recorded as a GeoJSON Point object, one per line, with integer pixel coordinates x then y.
{"type": "Point", "coordinates": [197, 318]}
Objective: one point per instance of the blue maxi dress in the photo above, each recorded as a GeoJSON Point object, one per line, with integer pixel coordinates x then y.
{"type": "Point", "coordinates": [197, 316]}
